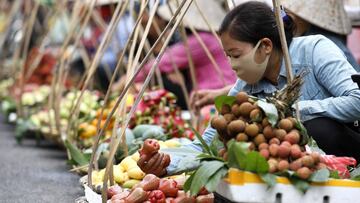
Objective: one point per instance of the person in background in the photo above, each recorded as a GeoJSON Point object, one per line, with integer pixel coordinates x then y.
{"type": "Point", "coordinates": [311, 17]}
{"type": "Point", "coordinates": [329, 98]}
{"type": "Point", "coordinates": [206, 74]}
{"type": "Point", "coordinates": [325, 17]}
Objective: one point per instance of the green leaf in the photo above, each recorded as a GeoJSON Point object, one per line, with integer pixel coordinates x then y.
{"type": "Point", "coordinates": [188, 160]}
{"type": "Point", "coordinates": [188, 182]}
{"type": "Point", "coordinates": [205, 147]}
{"type": "Point", "coordinates": [303, 132]}
{"type": "Point", "coordinates": [215, 145]}
{"type": "Point", "coordinates": [270, 111]}
{"type": "Point", "coordinates": [256, 163]}
{"type": "Point", "coordinates": [356, 178]}
{"type": "Point", "coordinates": [224, 99]}
{"type": "Point", "coordinates": [76, 154]}
{"type": "Point", "coordinates": [208, 157]}
{"type": "Point", "coordinates": [269, 179]}
{"type": "Point", "coordinates": [300, 184]}
{"type": "Point", "coordinates": [334, 174]}
{"type": "Point", "coordinates": [202, 175]}
{"type": "Point", "coordinates": [215, 179]}
{"type": "Point", "coordinates": [237, 152]}
{"type": "Point", "coordinates": [320, 176]}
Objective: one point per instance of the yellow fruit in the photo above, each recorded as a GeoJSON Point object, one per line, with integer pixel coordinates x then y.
{"type": "Point", "coordinates": [136, 173]}
{"type": "Point", "coordinates": [120, 177]}
{"type": "Point", "coordinates": [162, 144]}
{"type": "Point", "coordinates": [172, 143]}
{"type": "Point", "coordinates": [118, 168]}
{"type": "Point", "coordinates": [136, 156]}
{"type": "Point", "coordinates": [96, 178]}
{"type": "Point", "coordinates": [130, 100]}
{"type": "Point", "coordinates": [128, 163]}
{"type": "Point", "coordinates": [130, 183]}
{"type": "Point", "coordinates": [88, 132]}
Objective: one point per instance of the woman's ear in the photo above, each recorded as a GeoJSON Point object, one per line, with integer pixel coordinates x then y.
{"type": "Point", "coordinates": [266, 45]}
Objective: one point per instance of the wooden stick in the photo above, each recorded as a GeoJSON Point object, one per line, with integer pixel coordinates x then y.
{"type": "Point", "coordinates": [284, 46]}
{"type": "Point", "coordinates": [106, 98]}
{"type": "Point", "coordinates": [99, 53]}
{"type": "Point", "coordinates": [207, 22]}
{"type": "Point", "coordinates": [112, 151]}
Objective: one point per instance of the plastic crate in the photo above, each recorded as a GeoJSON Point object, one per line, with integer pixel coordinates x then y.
{"type": "Point", "coordinates": [247, 187]}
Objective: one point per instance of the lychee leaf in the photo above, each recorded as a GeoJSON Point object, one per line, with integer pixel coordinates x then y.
{"type": "Point", "coordinates": [237, 152]}
{"type": "Point", "coordinates": [214, 180]}
{"type": "Point", "coordinates": [320, 176]}
{"type": "Point", "coordinates": [334, 174]}
{"type": "Point", "coordinates": [224, 99]}
{"type": "Point", "coordinates": [269, 179]}
{"type": "Point", "coordinates": [303, 132]}
{"type": "Point", "coordinates": [270, 111]}
{"type": "Point", "coordinates": [256, 163]}
{"type": "Point", "coordinates": [300, 184]}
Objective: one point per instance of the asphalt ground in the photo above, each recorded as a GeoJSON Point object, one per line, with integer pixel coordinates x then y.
{"type": "Point", "coordinates": [34, 172]}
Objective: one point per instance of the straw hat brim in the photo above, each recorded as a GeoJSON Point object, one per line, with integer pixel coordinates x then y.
{"type": "Point", "coordinates": [211, 9]}
{"type": "Point", "coordinates": [327, 14]}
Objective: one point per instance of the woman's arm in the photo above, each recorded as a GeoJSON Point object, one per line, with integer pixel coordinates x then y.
{"type": "Point", "coordinates": [333, 72]}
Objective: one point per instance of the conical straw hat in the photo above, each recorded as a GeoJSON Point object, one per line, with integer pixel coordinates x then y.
{"type": "Point", "coordinates": [212, 10]}
{"type": "Point", "coordinates": [327, 14]}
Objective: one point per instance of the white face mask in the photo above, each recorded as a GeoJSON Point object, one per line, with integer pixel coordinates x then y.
{"type": "Point", "coordinates": [246, 67]}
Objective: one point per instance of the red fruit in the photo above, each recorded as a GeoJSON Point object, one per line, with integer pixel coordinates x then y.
{"type": "Point", "coordinates": [242, 97]}
{"type": "Point", "coordinates": [150, 147]}
{"type": "Point", "coordinates": [263, 146]}
{"type": "Point", "coordinates": [259, 139]}
{"type": "Point", "coordinates": [303, 173]}
{"type": "Point", "coordinates": [284, 151]}
{"type": "Point", "coordinates": [295, 165]}
{"type": "Point", "coordinates": [157, 196]}
{"type": "Point", "coordinates": [286, 124]}
{"type": "Point", "coordinates": [209, 198]}
{"type": "Point", "coordinates": [168, 187]}
{"type": "Point", "coordinates": [265, 153]}
{"type": "Point", "coordinates": [283, 165]}
{"type": "Point", "coordinates": [242, 137]}
{"type": "Point", "coordinates": [252, 146]}
{"type": "Point", "coordinates": [293, 137]}
{"type": "Point", "coordinates": [274, 141]}
{"type": "Point", "coordinates": [203, 191]}
{"type": "Point", "coordinates": [320, 166]}
{"type": "Point", "coordinates": [268, 132]}
{"type": "Point", "coordinates": [316, 157]}
{"type": "Point", "coordinates": [286, 143]}
{"type": "Point", "coordinates": [273, 149]}
{"type": "Point", "coordinates": [113, 190]}
{"type": "Point", "coordinates": [280, 134]}
{"type": "Point", "coordinates": [307, 161]}
{"type": "Point", "coordinates": [295, 151]}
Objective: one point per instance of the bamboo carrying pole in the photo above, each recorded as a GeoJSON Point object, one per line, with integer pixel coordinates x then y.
{"type": "Point", "coordinates": [284, 46]}
{"type": "Point", "coordinates": [112, 151]}
{"type": "Point", "coordinates": [106, 98]}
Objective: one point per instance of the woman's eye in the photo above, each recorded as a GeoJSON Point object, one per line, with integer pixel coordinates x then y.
{"type": "Point", "coordinates": [236, 56]}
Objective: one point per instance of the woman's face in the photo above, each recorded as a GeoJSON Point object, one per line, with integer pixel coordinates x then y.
{"type": "Point", "coordinates": [248, 61]}
{"type": "Point", "coordinates": [234, 48]}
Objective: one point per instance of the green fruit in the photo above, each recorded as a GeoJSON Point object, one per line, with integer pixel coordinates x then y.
{"type": "Point", "coordinates": [130, 183]}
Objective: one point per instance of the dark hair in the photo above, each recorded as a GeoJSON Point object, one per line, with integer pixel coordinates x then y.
{"type": "Point", "coordinates": [252, 21]}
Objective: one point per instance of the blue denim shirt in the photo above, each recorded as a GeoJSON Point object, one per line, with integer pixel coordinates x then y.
{"type": "Point", "coordinates": [328, 90]}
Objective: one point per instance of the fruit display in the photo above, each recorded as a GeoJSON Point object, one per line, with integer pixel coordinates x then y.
{"type": "Point", "coordinates": [158, 107]}
{"type": "Point", "coordinates": [280, 143]}
{"type": "Point", "coordinates": [153, 189]}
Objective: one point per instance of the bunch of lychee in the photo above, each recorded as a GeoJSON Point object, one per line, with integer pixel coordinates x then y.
{"type": "Point", "coordinates": [246, 122]}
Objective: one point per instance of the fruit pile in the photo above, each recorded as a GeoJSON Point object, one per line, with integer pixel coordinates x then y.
{"type": "Point", "coordinates": [127, 173]}
{"type": "Point", "coordinates": [279, 144]}
{"type": "Point", "coordinates": [155, 190]}
{"type": "Point", "coordinates": [159, 107]}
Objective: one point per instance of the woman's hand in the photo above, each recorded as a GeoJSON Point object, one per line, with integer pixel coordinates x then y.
{"type": "Point", "coordinates": [202, 98]}
{"type": "Point", "coordinates": [155, 165]}
{"type": "Point", "coordinates": [151, 160]}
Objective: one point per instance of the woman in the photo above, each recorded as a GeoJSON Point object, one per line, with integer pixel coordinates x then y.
{"type": "Point", "coordinates": [328, 96]}
{"type": "Point", "coordinates": [207, 76]}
